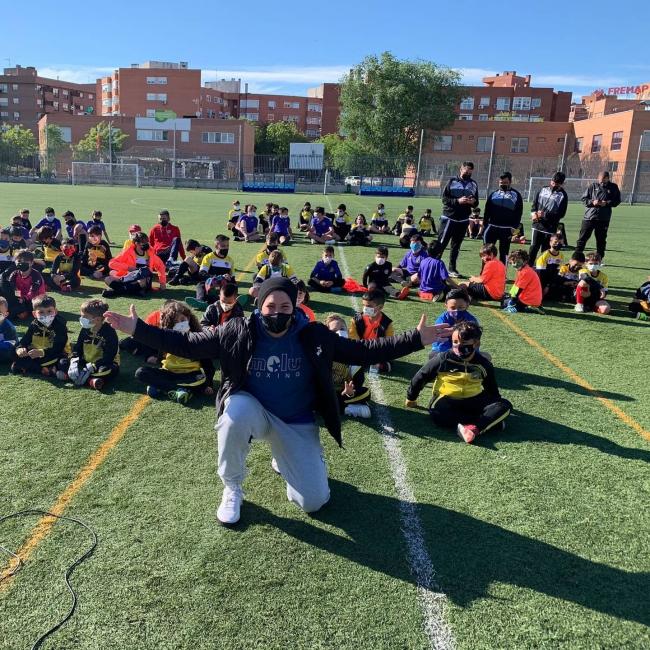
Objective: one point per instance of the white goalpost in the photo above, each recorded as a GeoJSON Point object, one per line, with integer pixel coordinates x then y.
{"type": "Point", "coordinates": [574, 187]}
{"type": "Point", "coordinates": [92, 173]}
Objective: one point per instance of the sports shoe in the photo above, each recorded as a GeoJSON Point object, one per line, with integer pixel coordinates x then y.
{"type": "Point", "coordinates": [108, 293]}
{"type": "Point", "coordinates": [467, 432]}
{"type": "Point", "coordinates": [336, 290]}
{"type": "Point", "coordinates": [403, 294]}
{"type": "Point", "coordinates": [199, 305]}
{"type": "Point", "coordinates": [174, 282]}
{"type": "Point", "coordinates": [46, 372]}
{"type": "Point", "coordinates": [152, 391]}
{"type": "Point", "coordinates": [510, 309]}
{"type": "Point", "coordinates": [580, 308]}
{"type": "Point", "coordinates": [385, 367]}
{"type": "Point", "coordinates": [357, 410]}
{"type": "Point", "coordinates": [330, 242]}
{"type": "Point", "coordinates": [181, 395]}
{"type": "Point", "coordinates": [96, 382]}
{"type": "Point", "coordinates": [425, 295]}
{"type": "Point", "coordinates": [61, 375]}
{"type": "Point", "coordinates": [228, 512]}
{"type": "Point", "coordinates": [274, 466]}
{"type": "Point", "coordinates": [454, 274]}
{"type": "Point", "coordinates": [17, 370]}
{"type": "Point", "coordinates": [642, 316]}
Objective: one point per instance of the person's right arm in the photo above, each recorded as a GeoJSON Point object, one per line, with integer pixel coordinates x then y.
{"type": "Point", "coordinates": [195, 345]}
{"type": "Point", "coordinates": [447, 198]}
{"type": "Point", "coordinates": [422, 377]}
{"type": "Point", "coordinates": [586, 196]}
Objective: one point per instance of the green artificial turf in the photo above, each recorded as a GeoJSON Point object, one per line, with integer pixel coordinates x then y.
{"type": "Point", "coordinates": [538, 534]}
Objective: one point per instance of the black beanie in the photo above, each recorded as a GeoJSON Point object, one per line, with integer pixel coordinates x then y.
{"type": "Point", "coordinates": [277, 284]}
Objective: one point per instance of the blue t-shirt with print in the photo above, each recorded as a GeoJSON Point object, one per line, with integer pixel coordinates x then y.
{"type": "Point", "coordinates": [251, 223]}
{"type": "Point", "coordinates": [8, 337]}
{"type": "Point", "coordinates": [447, 319]}
{"type": "Point", "coordinates": [281, 224]}
{"type": "Point", "coordinates": [411, 261]}
{"type": "Point", "coordinates": [280, 375]}
{"type": "Point", "coordinates": [321, 226]}
{"type": "Point", "coordinates": [329, 272]}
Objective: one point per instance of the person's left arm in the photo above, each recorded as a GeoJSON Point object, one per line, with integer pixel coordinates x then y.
{"type": "Point", "coordinates": [160, 269]}
{"type": "Point", "coordinates": [59, 342]}
{"type": "Point", "coordinates": [337, 271]}
{"type": "Point", "coordinates": [422, 377]}
{"type": "Point", "coordinates": [181, 248]}
{"type": "Point", "coordinates": [563, 205]}
{"type": "Point", "coordinates": [616, 197]}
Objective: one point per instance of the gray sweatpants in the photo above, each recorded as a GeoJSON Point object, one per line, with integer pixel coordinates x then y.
{"type": "Point", "coordinates": [295, 447]}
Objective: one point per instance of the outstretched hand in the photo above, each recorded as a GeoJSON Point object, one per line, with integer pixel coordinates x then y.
{"type": "Point", "coordinates": [432, 333]}
{"type": "Point", "coordinates": [124, 324]}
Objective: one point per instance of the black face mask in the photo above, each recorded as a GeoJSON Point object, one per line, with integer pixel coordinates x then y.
{"type": "Point", "coordinates": [22, 266]}
{"type": "Point", "coordinates": [144, 247]}
{"type": "Point", "coordinates": [271, 248]}
{"type": "Point", "coordinates": [97, 219]}
{"type": "Point", "coordinates": [503, 187]}
{"type": "Point", "coordinates": [276, 323]}
{"type": "Point", "coordinates": [466, 176]}
{"type": "Point", "coordinates": [222, 252]}
{"type": "Point", "coordinates": [164, 222]}
{"type": "Point", "coordinates": [465, 351]}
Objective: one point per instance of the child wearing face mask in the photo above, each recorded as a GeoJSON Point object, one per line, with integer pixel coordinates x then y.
{"type": "Point", "coordinates": [564, 286]}
{"type": "Point", "coordinates": [187, 272]}
{"type": "Point", "coordinates": [272, 244]}
{"type": "Point", "coordinates": [465, 391]}
{"type": "Point", "coordinates": [130, 345]}
{"type": "Point", "coordinates": [326, 275]}
{"type": "Point", "coordinates": [275, 268]}
{"type": "Point", "coordinates": [491, 283]}
{"type": "Point", "coordinates": [95, 356]}
{"type": "Point", "coordinates": [134, 229]}
{"type": "Point", "coordinates": [407, 271]}
{"type": "Point", "coordinates": [372, 323]}
{"type": "Point", "coordinates": [592, 287]}
{"type": "Point", "coordinates": [321, 230]}
{"type": "Point", "coordinates": [427, 225]}
{"type": "Point", "coordinates": [360, 232]}
{"type": "Point", "coordinates": [352, 395]}
{"type": "Point", "coordinates": [407, 215]}
{"type": "Point", "coordinates": [457, 304]}
{"type": "Point", "coordinates": [302, 301]}
{"type": "Point", "coordinates": [178, 378]}
{"type": "Point", "coordinates": [8, 336]}
{"type": "Point", "coordinates": [475, 225]}
{"type": "Point", "coordinates": [640, 305]}
{"type": "Point", "coordinates": [97, 255]}
{"type": "Point", "coordinates": [305, 217]}
{"type": "Point", "coordinates": [433, 277]}
{"type": "Point", "coordinates": [75, 230]}
{"type": "Point", "coordinates": [22, 285]}
{"type": "Point", "coordinates": [407, 230]}
{"type": "Point", "coordinates": [247, 226]}
{"type": "Point", "coordinates": [526, 293]}
{"type": "Point", "coordinates": [224, 309]}
{"type": "Point", "coordinates": [96, 220]}
{"type": "Point", "coordinates": [377, 275]}
{"type": "Point", "coordinates": [65, 272]}
{"type": "Point", "coordinates": [379, 220]}
{"type": "Point", "coordinates": [48, 247]}
{"type": "Point", "coordinates": [281, 226]}
{"type": "Point", "coordinates": [342, 222]}
{"type": "Point", "coordinates": [234, 214]}
{"type": "Point", "coordinates": [50, 221]}
{"type": "Point", "coordinates": [6, 258]}
{"type": "Point", "coordinates": [548, 264]}
{"type": "Point", "coordinates": [45, 343]}
{"type": "Point", "coordinates": [217, 268]}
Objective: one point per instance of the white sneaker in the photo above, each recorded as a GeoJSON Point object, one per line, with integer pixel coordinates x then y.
{"type": "Point", "coordinates": [274, 466]}
{"type": "Point", "coordinates": [229, 510]}
{"type": "Point", "coordinates": [330, 242]}
{"type": "Point", "coordinates": [61, 375]}
{"type": "Point", "coordinates": [579, 308]}
{"type": "Point", "coordinates": [357, 410]}
{"type": "Point", "coordinates": [312, 241]}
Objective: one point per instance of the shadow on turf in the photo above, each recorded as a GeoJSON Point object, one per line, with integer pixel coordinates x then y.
{"type": "Point", "coordinates": [618, 309]}
{"type": "Point", "coordinates": [468, 554]}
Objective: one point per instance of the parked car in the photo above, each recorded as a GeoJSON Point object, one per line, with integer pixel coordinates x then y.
{"type": "Point", "coordinates": [352, 180]}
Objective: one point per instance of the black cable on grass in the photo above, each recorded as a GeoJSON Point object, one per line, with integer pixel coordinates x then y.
{"type": "Point", "coordinates": [24, 513]}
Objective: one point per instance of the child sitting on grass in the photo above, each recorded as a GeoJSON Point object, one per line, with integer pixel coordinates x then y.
{"type": "Point", "coordinates": [273, 269]}
{"type": "Point", "coordinates": [548, 264]}
{"type": "Point", "coordinates": [178, 378]}
{"type": "Point", "coordinates": [408, 269]}
{"type": "Point", "coordinates": [640, 305]}
{"type": "Point", "coordinates": [96, 355]}
{"type": "Point", "coordinates": [465, 391]}
{"type": "Point", "coordinates": [224, 309]}
{"type": "Point", "coordinates": [491, 283]}
{"type": "Point", "coordinates": [8, 336]}
{"type": "Point", "coordinates": [433, 278]}
{"type": "Point", "coordinates": [457, 304]}
{"type": "Point", "coordinates": [247, 226]}
{"type": "Point", "coordinates": [592, 287]}
{"type": "Point", "coordinates": [97, 255]}
{"type": "Point", "coordinates": [302, 301]}
{"type": "Point", "coordinates": [47, 249]}
{"type": "Point", "coordinates": [195, 252]}
{"type": "Point", "coordinates": [306, 215]}
{"type": "Point", "coordinates": [65, 272]}
{"type": "Point", "coordinates": [326, 275]}
{"type": "Point", "coordinates": [45, 343]}
{"type": "Point", "coordinates": [281, 226]}
{"type": "Point", "coordinates": [526, 292]}
{"type": "Point", "coordinates": [234, 214]}
{"type": "Point", "coordinates": [22, 285]}
{"type": "Point", "coordinates": [475, 225]}
{"type": "Point", "coordinates": [427, 225]}
{"type": "Point", "coordinates": [352, 395]}
{"type": "Point", "coordinates": [378, 274]}
{"type": "Point", "coordinates": [130, 345]}
{"type": "Point", "coordinates": [379, 221]}
{"type": "Point", "coordinates": [217, 268]}
{"type": "Point", "coordinates": [321, 230]}
{"type": "Point", "coordinates": [360, 232]}
{"type": "Point", "coordinates": [564, 286]}
{"type": "Point", "coordinates": [272, 244]}
{"type": "Point", "coordinates": [407, 230]}
{"type": "Point", "coordinates": [372, 323]}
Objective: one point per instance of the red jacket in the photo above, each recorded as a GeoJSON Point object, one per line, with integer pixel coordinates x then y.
{"type": "Point", "coordinates": [161, 237]}
{"type": "Point", "coordinates": [125, 262]}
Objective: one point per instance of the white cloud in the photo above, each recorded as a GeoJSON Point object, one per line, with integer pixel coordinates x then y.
{"type": "Point", "coordinates": [75, 73]}
{"type": "Point", "coordinates": [280, 76]}
{"type": "Point", "coordinates": [474, 76]}
{"type": "Point", "coordinates": [575, 81]}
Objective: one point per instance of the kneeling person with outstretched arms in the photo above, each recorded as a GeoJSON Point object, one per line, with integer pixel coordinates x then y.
{"type": "Point", "coordinates": [465, 391]}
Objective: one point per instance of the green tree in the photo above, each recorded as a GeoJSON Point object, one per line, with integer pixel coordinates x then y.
{"type": "Point", "coordinates": [18, 141]}
{"type": "Point", "coordinates": [385, 103]}
{"type": "Point", "coordinates": [54, 144]}
{"type": "Point", "coordinates": [275, 138]}
{"type": "Point", "coordinates": [99, 141]}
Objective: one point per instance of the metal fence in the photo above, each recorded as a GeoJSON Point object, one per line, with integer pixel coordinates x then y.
{"type": "Point", "coordinates": [427, 176]}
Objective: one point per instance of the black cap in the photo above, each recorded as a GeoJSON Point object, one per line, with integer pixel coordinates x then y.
{"type": "Point", "coordinates": [277, 284]}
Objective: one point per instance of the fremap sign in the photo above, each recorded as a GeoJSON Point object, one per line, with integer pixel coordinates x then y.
{"type": "Point", "coordinates": [627, 90]}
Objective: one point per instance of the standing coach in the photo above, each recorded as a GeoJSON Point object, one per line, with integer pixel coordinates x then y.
{"type": "Point", "coordinates": [502, 214]}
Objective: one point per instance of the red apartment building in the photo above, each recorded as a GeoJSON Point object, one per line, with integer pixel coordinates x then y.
{"type": "Point", "coordinates": [25, 97]}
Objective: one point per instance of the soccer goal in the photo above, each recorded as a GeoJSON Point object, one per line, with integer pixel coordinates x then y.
{"type": "Point", "coordinates": [91, 173]}
{"type": "Point", "coordinates": [574, 187]}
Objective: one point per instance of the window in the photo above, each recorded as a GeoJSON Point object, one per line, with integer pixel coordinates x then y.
{"type": "Point", "coordinates": [521, 104]}
{"type": "Point", "coordinates": [442, 143]}
{"type": "Point", "coordinates": [153, 134]}
{"type": "Point", "coordinates": [4, 101]}
{"type": "Point", "coordinates": [208, 98]}
{"type": "Point", "coordinates": [596, 143]}
{"type": "Point", "coordinates": [66, 133]}
{"type": "Point", "coordinates": [156, 80]}
{"type": "Point", "coordinates": [4, 114]}
{"type": "Point", "coordinates": [215, 137]}
{"type": "Point", "coordinates": [249, 103]}
{"type": "Point", "coordinates": [483, 117]}
{"type": "Point", "coordinates": [613, 166]}
{"type": "Point", "coordinates": [90, 95]}
{"type": "Point", "coordinates": [503, 103]}
{"type": "Point", "coordinates": [253, 117]}
{"type": "Point", "coordinates": [290, 118]}
{"type": "Point", "coordinates": [617, 141]}
{"type": "Point", "coordinates": [39, 102]}
{"type": "Point", "coordinates": [55, 92]}
{"type": "Point", "coordinates": [16, 116]}
{"type": "Point", "coordinates": [535, 102]}
{"type": "Point", "coordinates": [14, 86]}
{"type": "Point", "coordinates": [156, 97]}
{"type": "Point", "coordinates": [540, 139]}
{"type": "Point", "coordinates": [312, 133]}
{"type": "Point", "coordinates": [4, 88]}
{"type": "Point", "coordinates": [484, 143]}
{"type": "Point", "coordinates": [65, 92]}
{"type": "Point", "coordinates": [316, 108]}
{"type": "Point", "coordinates": [466, 117]}
{"type": "Point", "coordinates": [270, 117]}
{"type": "Point", "coordinates": [185, 136]}
{"type": "Point", "coordinates": [519, 145]}
{"type": "Point", "coordinates": [292, 104]}
{"type": "Point", "coordinates": [16, 100]}
{"type": "Point", "coordinates": [271, 103]}
{"type": "Point", "coordinates": [467, 104]}
{"type": "Point", "coordinates": [484, 103]}
{"type": "Point", "coordinates": [106, 102]}
{"type": "Point", "coordinates": [55, 105]}
{"type": "Point", "coordinates": [65, 107]}
{"type": "Point", "coordinates": [151, 112]}
{"type": "Point", "coordinates": [313, 120]}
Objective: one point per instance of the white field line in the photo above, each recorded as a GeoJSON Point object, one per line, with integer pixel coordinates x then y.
{"type": "Point", "coordinates": [432, 599]}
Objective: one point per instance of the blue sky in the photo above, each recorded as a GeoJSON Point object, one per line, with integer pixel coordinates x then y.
{"type": "Point", "coordinates": [289, 46]}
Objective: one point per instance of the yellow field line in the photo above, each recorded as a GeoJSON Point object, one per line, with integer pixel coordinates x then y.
{"type": "Point", "coordinates": [619, 413]}
{"type": "Point", "coordinates": [45, 524]}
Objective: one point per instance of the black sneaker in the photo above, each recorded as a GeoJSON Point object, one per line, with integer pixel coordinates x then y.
{"type": "Point", "coordinates": [108, 293]}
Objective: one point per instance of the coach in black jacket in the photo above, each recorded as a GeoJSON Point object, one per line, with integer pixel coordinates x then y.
{"type": "Point", "coordinates": [599, 198]}
{"type": "Point", "coordinates": [502, 214]}
{"type": "Point", "coordinates": [548, 208]}
{"type": "Point", "coordinates": [276, 373]}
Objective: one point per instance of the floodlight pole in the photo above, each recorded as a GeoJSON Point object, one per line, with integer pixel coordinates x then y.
{"type": "Point", "coordinates": [417, 169]}
{"type": "Point", "coordinates": [562, 163]}
{"type": "Point", "coordinates": [174, 156]}
{"type": "Point", "coordinates": [489, 174]}
{"type": "Point", "coordinates": [110, 150]}
{"type": "Point", "coordinates": [636, 167]}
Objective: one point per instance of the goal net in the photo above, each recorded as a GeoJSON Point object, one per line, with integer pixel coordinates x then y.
{"type": "Point", "coordinates": [574, 187]}
{"type": "Point", "coordinates": [91, 173]}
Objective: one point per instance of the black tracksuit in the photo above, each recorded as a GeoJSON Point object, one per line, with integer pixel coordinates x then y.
{"type": "Point", "coordinates": [553, 203]}
{"type": "Point", "coordinates": [455, 217]}
{"type": "Point", "coordinates": [501, 215]}
{"type": "Point", "coordinates": [377, 275]}
{"type": "Point", "coordinates": [597, 218]}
